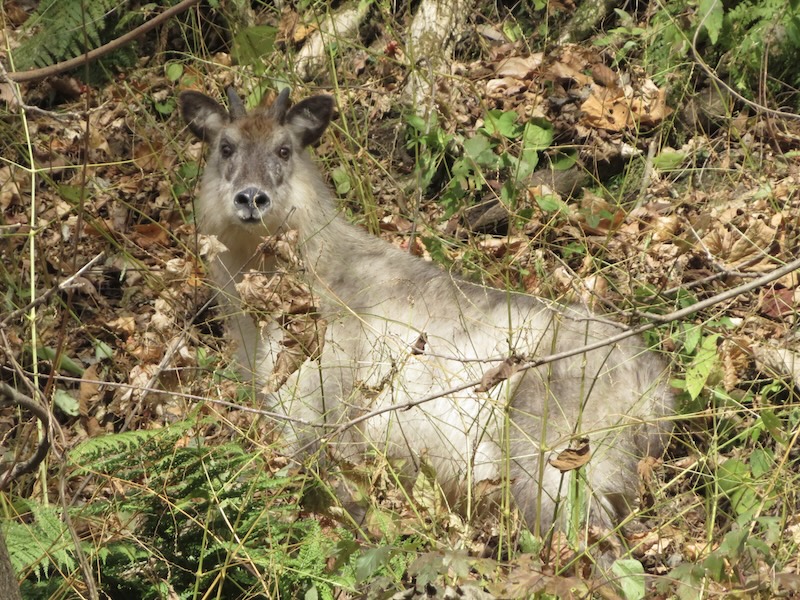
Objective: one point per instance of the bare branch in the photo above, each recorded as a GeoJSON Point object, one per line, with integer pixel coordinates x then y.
{"type": "Point", "coordinates": [9, 395]}
{"type": "Point", "coordinates": [61, 286]}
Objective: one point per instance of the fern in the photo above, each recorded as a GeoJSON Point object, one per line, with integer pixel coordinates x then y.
{"type": "Point", "coordinates": [61, 28]}
{"type": "Point", "coordinates": [171, 513]}
{"type": "Point", "coordinates": [39, 543]}
{"type": "Point", "coordinates": [753, 26]}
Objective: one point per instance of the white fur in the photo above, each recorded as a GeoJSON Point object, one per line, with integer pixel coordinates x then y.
{"type": "Point", "coordinates": [378, 301]}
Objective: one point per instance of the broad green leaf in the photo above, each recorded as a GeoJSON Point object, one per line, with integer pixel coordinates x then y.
{"type": "Point", "coordinates": [630, 574]}
{"type": "Point", "coordinates": [761, 462]}
{"type": "Point", "coordinates": [341, 180]}
{"type": "Point", "coordinates": [564, 160]}
{"type": "Point", "coordinates": [704, 362]}
{"type": "Point", "coordinates": [480, 150]}
{"type": "Point", "coordinates": [503, 123]}
{"type": "Point", "coordinates": [538, 135]}
{"type": "Point", "coordinates": [174, 71]}
{"type": "Point", "coordinates": [66, 403]}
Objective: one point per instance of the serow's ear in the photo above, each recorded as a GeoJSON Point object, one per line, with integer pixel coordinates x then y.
{"type": "Point", "coordinates": [309, 118]}
{"type": "Point", "coordinates": [204, 116]}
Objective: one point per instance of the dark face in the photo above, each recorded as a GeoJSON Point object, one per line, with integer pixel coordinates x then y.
{"type": "Point", "coordinates": [254, 173]}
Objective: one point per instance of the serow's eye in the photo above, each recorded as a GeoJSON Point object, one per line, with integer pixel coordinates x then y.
{"type": "Point", "coordinates": [225, 149]}
{"type": "Point", "coordinates": [284, 152]}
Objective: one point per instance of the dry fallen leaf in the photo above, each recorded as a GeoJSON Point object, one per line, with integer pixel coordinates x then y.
{"type": "Point", "coordinates": [499, 373]}
{"type": "Point", "coordinates": [519, 67]}
{"type": "Point", "coordinates": [777, 303]}
{"type": "Point", "coordinates": [148, 235]}
{"type": "Point", "coordinates": [572, 458]}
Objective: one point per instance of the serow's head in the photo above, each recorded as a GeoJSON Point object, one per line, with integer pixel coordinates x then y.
{"type": "Point", "coordinates": [255, 162]}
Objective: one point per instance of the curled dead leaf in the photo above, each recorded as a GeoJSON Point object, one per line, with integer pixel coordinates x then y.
{"type": "Point", "coordinates": [519, 67]}
{"type": "Point", "coordinates": [604, 76]}
{"type": "Point", "coordinates": [418, 347]}
{"type": "Point", "coordinates": [572, 458]}
{"type": "Point", "coordinates": [777, 362]}
{"type": "Point", "coordinates": [505, 86]}
{"type": "Point", "coordinates": [499, 373]}
{"type": "Point", "coordinates": [736, 355]}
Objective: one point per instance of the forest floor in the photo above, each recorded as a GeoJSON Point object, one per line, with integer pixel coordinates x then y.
{"type": "Point", "coordinates": [571, 171]}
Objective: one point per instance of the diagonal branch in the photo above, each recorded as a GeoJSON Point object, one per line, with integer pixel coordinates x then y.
{"type": "Point", "coordinates": [653, 322]}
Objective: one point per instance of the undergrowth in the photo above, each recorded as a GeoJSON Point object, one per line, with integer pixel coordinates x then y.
{"type": "Point", "coordinates": [172, 514]}
{"type": "Point", "coordinates": [198, 507]}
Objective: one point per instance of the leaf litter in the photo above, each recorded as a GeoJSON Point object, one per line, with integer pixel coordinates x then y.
{"type": "Point", "coordinates": [147, 295]}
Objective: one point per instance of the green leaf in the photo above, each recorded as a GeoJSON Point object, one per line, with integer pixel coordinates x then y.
{"type": "Point", "coordinates": [704, 362]}
{"type": "Point", "coordinates": [65, 362]}
{"type": "Point", "coordinates": [773, 424]}
{"type": "Point", "coordinates": [253, 43]}
{"type": "Point", "coordinates": [503, 123]}
{"type": "Point", "coordinates": [538, 135]}
{"type": "Point", "coordinates": [102, 351]}
{"type": "Point", "coordinates": [372, 560]}
{"type": "Point", "coordinates": [563, 161]}
{"type": "Point", "coordinates": [167, 107]}
{"type": "Point", "coordinates": [416, 122]}
{"type": "Point", "coordinates": [734, 480]}
{"type": "Point", "coordinates": [66, 403]}
{"type": "Point", "coordinates": [480, 150]}
{"type": "Point", "coordinates": [174, 71]}
{"type": "Point", "coordinates": [551, 203]}
{"type": "Point", "coordinates": [692, 336]}
{"type": "Point", "coordinates": [711, 15]}
{"type": "Point", "coordinates": [630, 573]}
{"type": "Point", "coordinates": [761, 462]}
{"type": "Point", "coordinates": [668, 161]}
{"type": "Point", "coordinates": [341, 180]}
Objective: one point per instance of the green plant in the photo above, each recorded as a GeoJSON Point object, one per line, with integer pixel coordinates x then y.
{"type": "Point", "coordinates": [216, 517]}
{"type": "Point", "coordinates": [503, 148]}
{"type": "Point", "coordinates": [732, 37]}
{"type": "Point", "coordinates": [67, 28]}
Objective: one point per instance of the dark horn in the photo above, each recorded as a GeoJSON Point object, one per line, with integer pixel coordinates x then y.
{"type": "Point", "coordinates": [281, 105]}
{"type": "Point", "coordinates": [235, 106]}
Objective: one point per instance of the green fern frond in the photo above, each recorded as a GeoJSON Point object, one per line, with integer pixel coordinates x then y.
{"type": "Point", "coordinates": [106, 453]}
{"type": "Point", "coordinates": [40, 542]}
{"type": "Point", "coordinates": [64, 29]}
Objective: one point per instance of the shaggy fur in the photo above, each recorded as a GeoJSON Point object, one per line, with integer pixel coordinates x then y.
{"type": "Point", "coordinates": [381, 305]}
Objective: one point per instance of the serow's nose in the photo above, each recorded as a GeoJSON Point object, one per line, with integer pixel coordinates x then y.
{"type": "Point", "coordinates": [251, 197]}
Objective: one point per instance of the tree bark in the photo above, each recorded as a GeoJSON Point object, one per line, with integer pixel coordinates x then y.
{"type": "Point", "coordinates": [9, 588]}
{"type": "Point", "coordinates": [429, 48]}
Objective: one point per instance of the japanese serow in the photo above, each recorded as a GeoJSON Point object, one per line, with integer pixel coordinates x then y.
{"type": "Point", "coordinates": [397, 345]}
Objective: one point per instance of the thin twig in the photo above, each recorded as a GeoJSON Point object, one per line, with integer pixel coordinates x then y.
{"type": "Point", "coordinates": [654, 321]}
{"type": "Point", "coordinates": [61, 286]}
